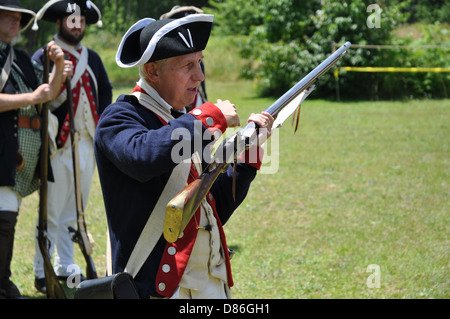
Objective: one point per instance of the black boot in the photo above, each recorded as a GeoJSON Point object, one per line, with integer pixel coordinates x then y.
{"type": "Point", "coordinates": [8, 222]}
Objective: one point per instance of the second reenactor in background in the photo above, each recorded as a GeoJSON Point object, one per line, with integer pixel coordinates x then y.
{"type": "Point", "coordinates": [21, 92]}
{"type": "Point", "coordinates": [91, 93]}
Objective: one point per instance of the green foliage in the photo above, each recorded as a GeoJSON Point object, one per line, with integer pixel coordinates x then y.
{"type": "Point", "coordinates": [428, 11]}
{"type": "Point", "coordinates": [291, 41]}
{"type": "Point", "coordinates": [422, 85]}
{"type": "Point", "coordinates": [106, 44]}
{"type": "Point", "coordinates": [293, 37]}
{"type": "Point", "coordinates": [222, 62]}
{"type": "Point", "coordinates": [235, 17]}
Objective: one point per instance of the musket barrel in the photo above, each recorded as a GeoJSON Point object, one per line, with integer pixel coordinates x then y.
{"type": "Point", "coordinates": [309, 79]}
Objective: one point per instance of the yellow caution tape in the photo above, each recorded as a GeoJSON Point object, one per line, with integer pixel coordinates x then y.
{"type": "Point", "coordinates": [392, 69]}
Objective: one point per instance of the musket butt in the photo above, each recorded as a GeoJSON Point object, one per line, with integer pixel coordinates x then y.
{"type": "Point", "coordinates": [172, 221]}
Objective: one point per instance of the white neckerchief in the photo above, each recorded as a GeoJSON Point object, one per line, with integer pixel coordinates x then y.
{"type": "Point", "coordinates": [81, 67]}
{"type": "Point", "coordinates": [82, 58]}
{"type": "Point", "coordinates": [154, 102]}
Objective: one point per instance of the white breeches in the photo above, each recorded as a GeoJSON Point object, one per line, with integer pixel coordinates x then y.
{"type": "Point", "coordinates": [61, 205]}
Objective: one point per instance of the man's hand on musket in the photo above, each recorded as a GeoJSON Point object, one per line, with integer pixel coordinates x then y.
{"type": "Point", "coordinates": [56, 54]}
{"type": "Point", "coordinates": [42, 94]}
{"type": "Point", "coordinates": [229, 111]}
{"type": "Point", "coordinates": [62, 68]}
{"type": "Point", "coordinates": [264, 121]}
{"type": "Point", "coordinates": [68, 69]}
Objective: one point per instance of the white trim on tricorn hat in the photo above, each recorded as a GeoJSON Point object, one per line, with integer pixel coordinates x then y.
{"type": "Point", "coordinates": [57, 9]}
{"type": "Point", "coordinates": [150, 40]}
{"type": "Point", "coordinates": [15, 6]}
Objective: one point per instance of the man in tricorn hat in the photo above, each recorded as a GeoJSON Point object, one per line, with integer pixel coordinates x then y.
{"type": "Point", "coordinates": [20, 138]}
{"type": "Point", "coordinates": [136, 149]}
{"type": "Point", "coordinates": [91, 93]}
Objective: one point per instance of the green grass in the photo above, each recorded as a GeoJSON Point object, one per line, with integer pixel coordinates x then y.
{"type": "Point", "coordinates": [360, 183]}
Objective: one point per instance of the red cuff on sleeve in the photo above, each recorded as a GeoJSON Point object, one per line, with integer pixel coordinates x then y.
{"type": "Point", "coordinates": [211, 117]}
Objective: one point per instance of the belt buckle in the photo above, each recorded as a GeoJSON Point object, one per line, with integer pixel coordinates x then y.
{"type": "Point", "coordinates": [35, 123]}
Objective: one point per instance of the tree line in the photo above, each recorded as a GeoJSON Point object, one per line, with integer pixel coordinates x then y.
{"type": "Point", "coordinates": [284, 39]}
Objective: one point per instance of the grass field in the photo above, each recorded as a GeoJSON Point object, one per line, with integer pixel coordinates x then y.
{"type": "Point", "coordinates": [360, 183]}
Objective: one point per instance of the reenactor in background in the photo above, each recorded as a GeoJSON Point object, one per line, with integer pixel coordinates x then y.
{"type": "Point", "coordinates": [91, 93]}
{"type": "Point", "coordinates": [20, 138]}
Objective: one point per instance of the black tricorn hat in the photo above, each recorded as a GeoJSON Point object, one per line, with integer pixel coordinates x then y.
{"type": "Point", "coordinates": [14, 5]}
{"type": "Point", "coordinates": [58, 9]}
{"type": "Point", "coordinates": [151, 40]}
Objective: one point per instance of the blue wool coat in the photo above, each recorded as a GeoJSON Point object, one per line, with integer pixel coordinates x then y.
{"type": "Point", "coordinates": [133, 152]}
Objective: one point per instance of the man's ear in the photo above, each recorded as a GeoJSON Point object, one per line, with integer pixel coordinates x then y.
{"type": "Point", "coordinates": [58, 23]}
{"type": "Point", "coordinates": [152, 71]}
